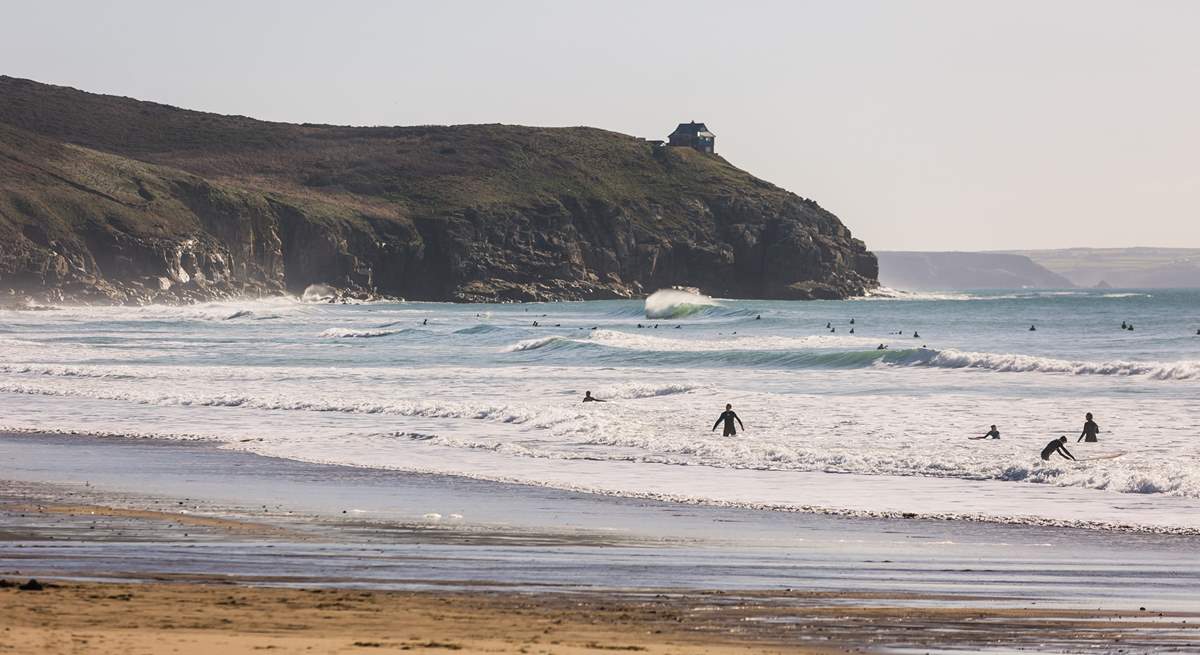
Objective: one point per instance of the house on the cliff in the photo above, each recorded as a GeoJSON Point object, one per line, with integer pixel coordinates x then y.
{"type": "Point", "coordinates": [693, 135]}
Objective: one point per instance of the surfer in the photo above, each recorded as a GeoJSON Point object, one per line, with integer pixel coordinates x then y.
{"type": "Point", "coordinates": [588, 398]}
{"type": "Point", "coordinates": [916, 336]}
{"type": "Point", "coordinates": [881, 347]}
{"type": "Point", "coordinates": [1057, 446]}
{"type": "Point", "coordinates": [851, 321]}
{"type": "Point", "coordinates": [992, 434]}
{"type": "Point", "coordinates": [425, 322]}
{"type": "Point", "coordinates": [828, 325]}
{"type": "Point", "coordinates": [851, 330]}
{"type": "Point", "coordinates": [728, 417]}
{"type": "Point", "coordinates": [1090, 430]}
{"type": "Point", "coordinates": [759, 318]}
{"type": "Point", "coordinates": [1123, 325]}
{"type": "Point", "coordinates": [1033, 328]}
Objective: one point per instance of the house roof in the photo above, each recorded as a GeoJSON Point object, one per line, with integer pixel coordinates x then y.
{"type": "Point", "coordinates": [694, 129]}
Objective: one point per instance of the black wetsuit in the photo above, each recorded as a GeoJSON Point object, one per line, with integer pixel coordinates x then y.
{"type": "Point", "coordinates": [591, 399]}
{"type": "Point", "coordinates": [1056, 446]}
{"type": "Point", "coordinates": [995, 434]}
{"type": "Point", "coordinates": [1090, 430]}
{"type": "Point", "coordinates": [729, 416]}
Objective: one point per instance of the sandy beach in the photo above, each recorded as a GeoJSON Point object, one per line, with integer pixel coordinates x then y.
{"type": "Point", "coordinates": [149, 555]}
{"type": "Point", "coordinates": [230, 618]}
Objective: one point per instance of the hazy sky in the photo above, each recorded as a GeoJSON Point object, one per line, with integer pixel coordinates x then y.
{"type": "Point", "coordinates": [923, 125]}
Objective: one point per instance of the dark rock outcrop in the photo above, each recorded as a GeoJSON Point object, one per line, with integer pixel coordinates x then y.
{"type": "Point", "coordinates": [108, 199]}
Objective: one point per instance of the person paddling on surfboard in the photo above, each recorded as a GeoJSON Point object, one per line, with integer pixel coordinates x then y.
{"type": "Point", "coordinates": [992, 434]}
{"type": "Point", "coordinates": [728, 417]}
{"type": "Point", "coordinates": [1090, 430]}
{"type": "Point", "coordinates": [1057, 446]}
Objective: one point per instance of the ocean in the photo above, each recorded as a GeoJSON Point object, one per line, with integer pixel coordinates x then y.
{"type": "Point", "coordinates": [833, 424]}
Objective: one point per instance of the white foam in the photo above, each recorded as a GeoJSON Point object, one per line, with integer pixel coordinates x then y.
{"type": "Point", "coordinates": [1012, 363]}
{"type": "Point", "coordinates": [350, 333]}
{"type": "Point", "coordinates": [674, 303]}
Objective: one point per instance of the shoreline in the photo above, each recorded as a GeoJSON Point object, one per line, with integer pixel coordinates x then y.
{"type": "Point", "coordinates": [872, 484]}
{"type": "Point", "coordinates": [164, 535]}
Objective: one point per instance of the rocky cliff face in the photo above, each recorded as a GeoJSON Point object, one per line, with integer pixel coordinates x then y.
{"type": "Point", "coordinates": [114, 200]}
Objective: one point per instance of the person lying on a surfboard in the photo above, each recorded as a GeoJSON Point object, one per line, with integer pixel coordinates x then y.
{"type": "Point", "coordinates": [1057, 446]}
{"type": "Point", "coordinates": [1090, 430]}
{"type": "Point", "coordinates": [992, 434]}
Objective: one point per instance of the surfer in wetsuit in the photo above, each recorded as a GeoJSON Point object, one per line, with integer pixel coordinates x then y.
{"type": "Point", "coordinates": [1090, 430]}
{"type": "Point", "coordinates": [992, 434]}
{"type": "Point", "coordinates": [1057, 446]}
{"type": "Point", "coordinates": [587, 398]}
{"type": "Point", "coordinates": [728, 417]}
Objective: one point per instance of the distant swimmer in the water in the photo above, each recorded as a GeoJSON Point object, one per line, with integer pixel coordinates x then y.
{"type": "Point", "coordinates": [1033, 328]}
{"type": "Point", "coordinates": [1090, 430]}
{"type": "Point", "coordinates": [851, 330]}
{"type": "Point", "coordinates": [832, 330]}
{"type": "Point", "coordinates": [881, 347]}
{"type": "Point", "coordinates": [1198, 333]}
{"type": "Point", "coordinates": [916, 336]}
{"type": "Point", "coordinates": [535, 324]}
{"type": "Point", "coordinates": [851, 321]}
{"type": "Point", "coordinates": [1130, 328]}
{"type": "Point", "coordinates": [425, 322]}
{"type": "Point", "coordinates": [728, 417]}
{"type": "Point", "coordinates": [588, 398]}
{"type": "Point", "coordinates": [640, 326]}
{"type": "Point", "coordinates": [992, 434]}
{"type": "Point", "coordinates": [1123, 325]}
{"type": "Point", "coordinates": [1057, 446]}
{"type": "Point", "coordinates": [828, 325]}
{"type": "Point", "coordinates": [759, 318]}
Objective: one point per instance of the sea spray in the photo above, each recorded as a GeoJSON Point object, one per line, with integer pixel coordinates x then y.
{"type": "Point", "coordinates": [318, 293]}
{"type": "Point", "coordinates": [675, 303]}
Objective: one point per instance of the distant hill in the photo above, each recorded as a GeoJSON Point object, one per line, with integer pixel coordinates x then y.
{"type": "Point", "coordinates": [111, 199]}
{"type": "Point", "coordinates": [956, 271]}
{"type": "Point", "coordinates": [1130, 268]}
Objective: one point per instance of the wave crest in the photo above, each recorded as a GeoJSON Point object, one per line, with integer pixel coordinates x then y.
{"type": "Point", "coordinates": [674, 303]}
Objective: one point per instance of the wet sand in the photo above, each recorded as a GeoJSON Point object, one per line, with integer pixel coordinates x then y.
{"type": "Point", "coordinates": [232, 618]}
{"type": "Point", "coordinates": [186, 548]}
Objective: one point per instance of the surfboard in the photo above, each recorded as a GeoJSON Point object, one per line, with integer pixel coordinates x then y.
{"type": "Point", "coordinates": [1109, 456]}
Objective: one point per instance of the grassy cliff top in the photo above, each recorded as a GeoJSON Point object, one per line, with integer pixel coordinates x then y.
{"type": "Point", "coordinates": [393, 172]}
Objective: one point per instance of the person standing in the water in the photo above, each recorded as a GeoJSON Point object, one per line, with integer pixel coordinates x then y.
{"type": "Point", "coordinates": [728, 417]}
{"type": "Point", "coordinates": [1090, 430]}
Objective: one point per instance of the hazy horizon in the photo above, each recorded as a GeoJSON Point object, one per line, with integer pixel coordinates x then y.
{"type": "Point", "coordinates": [925, 125]}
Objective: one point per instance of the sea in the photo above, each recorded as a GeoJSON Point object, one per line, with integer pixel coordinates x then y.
{"type": "Point", "coordinates": [863, 407]}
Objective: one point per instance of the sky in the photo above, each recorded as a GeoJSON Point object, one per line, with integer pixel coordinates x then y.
{"type": "Point", "coordinates": [924, 125]}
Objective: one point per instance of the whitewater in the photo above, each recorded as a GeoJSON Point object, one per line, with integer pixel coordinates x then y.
{"type": "Point", "coordinates": [835, 423]}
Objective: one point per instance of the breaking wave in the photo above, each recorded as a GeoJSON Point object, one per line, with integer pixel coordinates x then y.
{"type": "Point", "coordinates": [348, 333]}
{"type": "Point", "coordinates": [1010, 363]}
{"type": "Point", "coordinates": [674, 303]}
{"type": "Point", "coordinates": [831, 352]}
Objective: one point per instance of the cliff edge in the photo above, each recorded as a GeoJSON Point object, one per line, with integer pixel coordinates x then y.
{"type": "Point", "coordinates": [109, 199]}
